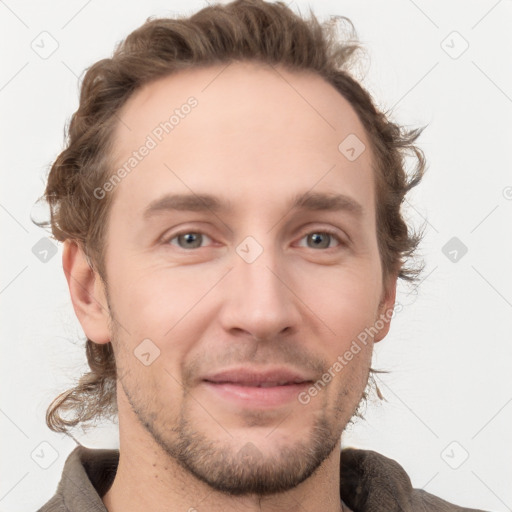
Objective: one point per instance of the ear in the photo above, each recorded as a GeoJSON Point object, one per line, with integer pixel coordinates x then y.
{"type": "Point", "coordinates": [87, 293]}
{"type": "Point", "coordinates": [386, 308]}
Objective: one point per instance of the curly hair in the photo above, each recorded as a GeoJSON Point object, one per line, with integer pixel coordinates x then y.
{"type": "Point", "coordinates": [241, 30]}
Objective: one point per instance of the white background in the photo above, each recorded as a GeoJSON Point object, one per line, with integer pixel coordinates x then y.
{"type": "Point", "coordinates": [449, 351]}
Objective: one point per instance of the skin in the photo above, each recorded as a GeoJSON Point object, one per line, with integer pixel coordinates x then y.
{"type": "Point", "coordinates": [258, 136]}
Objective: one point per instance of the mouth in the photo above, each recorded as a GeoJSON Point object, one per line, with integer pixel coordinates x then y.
{"type": "Point", "coordinates": [258, 389]}
{"type": "Point", "coordinates": [259, 385]}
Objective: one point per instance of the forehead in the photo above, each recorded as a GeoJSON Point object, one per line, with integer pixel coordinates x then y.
{"type": "Point", "coordinates": [244, 130]}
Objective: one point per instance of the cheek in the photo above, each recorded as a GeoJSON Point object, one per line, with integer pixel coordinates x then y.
{"type": "Point", "coordinates": [159, 307]}
{"type": "Point", "coordinates": [346, 300]}
{"type": "Point", "coordinates": [346, 304]}
{"type": "Point", "coordinates": [157, 303]}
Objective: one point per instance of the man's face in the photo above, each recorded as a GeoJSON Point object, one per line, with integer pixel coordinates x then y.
{"type": "Point", "coordinates": [242, 301]}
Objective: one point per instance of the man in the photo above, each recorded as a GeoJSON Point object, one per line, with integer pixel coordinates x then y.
{"type": "Point", "coordinates": [229, 203]}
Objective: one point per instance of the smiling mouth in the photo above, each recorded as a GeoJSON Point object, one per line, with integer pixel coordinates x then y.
{"type": "Point", "coordinates": [256, 387]}
{"type": "Point", "coordinates": [261, 396]}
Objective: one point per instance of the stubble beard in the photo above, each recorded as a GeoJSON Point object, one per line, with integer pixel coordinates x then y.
{"type": "Point", "coordinates": [241, 468]}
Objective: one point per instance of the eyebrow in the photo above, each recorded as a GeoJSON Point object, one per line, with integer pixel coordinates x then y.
{"type": "Point", "coordinates": [314, 201]}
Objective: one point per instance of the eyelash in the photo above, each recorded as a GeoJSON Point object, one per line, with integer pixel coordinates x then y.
{"type": "Point", "coordinates": [331, 232]}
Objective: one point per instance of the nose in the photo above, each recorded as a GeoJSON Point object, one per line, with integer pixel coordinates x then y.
{"type": "Point", "coordinates": [259, 301]}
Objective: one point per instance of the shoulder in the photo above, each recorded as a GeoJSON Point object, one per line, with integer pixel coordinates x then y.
{"type": "Point", "coordinates": [369, 481]}
{"type": "Point", "coordinates": [86, 476]}
{"type": "Point", "coordinates": [55, 504]}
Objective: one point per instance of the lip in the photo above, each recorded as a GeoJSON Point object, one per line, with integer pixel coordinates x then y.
{"type": "Point", "coordinates": [249, 387]}
{"type": "Point", "coordinates": [250, 376]}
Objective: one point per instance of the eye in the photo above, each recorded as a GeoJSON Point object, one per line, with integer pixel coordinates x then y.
{"type": "Point", "coordinates": [314, 240]}
{"type": "Point", "coordinates": [322, 239]}
{"type": "Point", "coordinates": [188, 239]}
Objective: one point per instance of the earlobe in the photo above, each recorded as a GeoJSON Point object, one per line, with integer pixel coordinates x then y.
{"type": "Point", "coordinates": [87, 293]}
{"type": "Point", "coordinates": [386, 308]}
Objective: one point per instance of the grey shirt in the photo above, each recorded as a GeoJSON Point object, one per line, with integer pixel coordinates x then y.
{"type": "Point", "coordinates": [369, 482]}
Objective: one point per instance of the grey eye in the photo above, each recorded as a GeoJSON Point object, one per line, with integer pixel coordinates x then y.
{"type": "Point", "coordinates": [189, 240]}
{"type": "Point", "coordinates": [319, 240]}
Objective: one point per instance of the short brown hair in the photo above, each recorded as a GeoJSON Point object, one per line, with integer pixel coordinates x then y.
{"type": "Point", "coordinates": [242, 30]}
